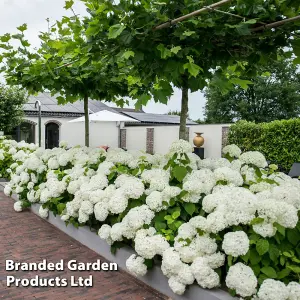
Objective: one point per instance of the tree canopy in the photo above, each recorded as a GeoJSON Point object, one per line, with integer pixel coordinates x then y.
{"type": "Point", "coordinates": [11, 107]}
{"type": "Point", "coordinates": [274, 95]}
{"type": "Point", "coordinates": [222, 46]}
{"type": "Point", "coordinates": [118, 50]}
{"type": "Point", "coordinates": [64, 65]}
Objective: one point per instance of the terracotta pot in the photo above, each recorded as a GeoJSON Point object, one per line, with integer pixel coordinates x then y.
{"type": "Point", "coordinates": [198, 140]}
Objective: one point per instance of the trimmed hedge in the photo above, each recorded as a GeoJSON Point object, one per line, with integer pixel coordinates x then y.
{"type": "Point", "coordinates": [279, 141]}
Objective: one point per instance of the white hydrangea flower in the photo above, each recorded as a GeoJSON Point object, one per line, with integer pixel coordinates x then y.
{"type": "Point", "coordinates": [155, 201]}
{"type": "Point", "coordinates": [43, 212]}
{"type": "Point", "coordinates": [180, 146]}
{"type": "Point", "coordinates": [294, 290]}
{"type": "Point", "coordinates": [7, 190]}
{"type": "Point", "coordinates": [273, 290]}
{"type": "Point", "coordinates": [176, 286]}
{"type": "Point", "coordinates": [18, 207]}
{"type": "Point", "coordinates": [63, 144]}
{"type": "Point", "coordinates": [232, 150]}
{"type": "Point", "coordinates": [101, 211]}
{"type": "Point", "coordinates": [265, 229]}
{"type": "Point", "coordinates": [241, 278]}
{"type": "Point", "coordinates": [135, 265]}
{"type": "Point", "coordinates": [236, 243]}
{"type": "Point", "coordinates": [205, 276]}
{"type": "Point", "coordinates": [254, 158]}
{"type": "Point", "coordinates": [229, 175]}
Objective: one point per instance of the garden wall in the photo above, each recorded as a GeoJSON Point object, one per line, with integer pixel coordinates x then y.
{"type": "Point", "coordinates": [160, 138]}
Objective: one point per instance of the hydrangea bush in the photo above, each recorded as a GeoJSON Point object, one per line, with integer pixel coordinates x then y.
{"type": "Point", "coordinates": [230, 222]}
{"type": "Point", "coordinates": [9, 156]}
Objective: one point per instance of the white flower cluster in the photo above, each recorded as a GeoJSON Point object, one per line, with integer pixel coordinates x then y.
{"type": "Point", "coordinates": [127, 190]}
{"type": "Point", "coordinates": [232, 150]}
{"type": "Point", "coordinates": [276, 290]}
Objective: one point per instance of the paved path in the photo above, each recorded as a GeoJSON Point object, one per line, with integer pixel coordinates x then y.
{"type": "Point", "coordinates": [25, 237]}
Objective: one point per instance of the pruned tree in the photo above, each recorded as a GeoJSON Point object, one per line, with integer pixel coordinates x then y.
{"type": "Point", "coordinates": [66, 63]}
{"type": "Point", "coordinates": [274, 95]}
{"type": "Point", "coordinates": [12, 100]}
{"type": "Point", "coordinates": [186, 52]}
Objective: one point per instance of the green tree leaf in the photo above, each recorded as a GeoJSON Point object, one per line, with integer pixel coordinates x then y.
{"type": "Point", "coordinates": [115, 31]}
{"type": "Point", "coordinates": [69, 4]}
{"type": "Point", "coordinates": [193, 69]}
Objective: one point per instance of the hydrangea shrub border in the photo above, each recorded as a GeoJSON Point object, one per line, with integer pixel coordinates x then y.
{"type": "Point", "coordinates": [231, 221]}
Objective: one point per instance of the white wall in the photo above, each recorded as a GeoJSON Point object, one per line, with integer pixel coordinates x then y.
{"type": "Point", "coordinates": [165, 135]}
{"type": "Point", "coordinates": [102, 133]}
{"type": "Point", "coordinates": [136, 138]}
{"type": "Point", "coordinates": [212, 138]}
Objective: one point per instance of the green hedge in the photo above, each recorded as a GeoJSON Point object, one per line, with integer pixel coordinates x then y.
{"type": "Point", "coordinates": [279, 141]}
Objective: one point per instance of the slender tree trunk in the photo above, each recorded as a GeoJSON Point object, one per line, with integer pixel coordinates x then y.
{"type": "Point", "coordinates": [184, 109]}
{"type": "Point", "coordinates": [86, 121]}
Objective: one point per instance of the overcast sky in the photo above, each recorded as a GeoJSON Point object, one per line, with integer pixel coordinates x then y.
{"type": "Point", "coordinates": [14, 13]}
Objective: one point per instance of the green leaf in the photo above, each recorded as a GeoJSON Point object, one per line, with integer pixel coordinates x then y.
{"type": "Point", "coordinates": [69, 4]}
{"type": "Point", "coordinates": [254, 257]}
{"type": "Point", "coordinates": [188, 33]}
{"type": "Point", "coordinates": [142, 100]}
{"type": "Point", "coordinates": [128, 54]}
{"type": "Point", "coordinates": [241, 82]}
{"type": "Point", "coordinates": [262, 246]}
{"type": "Point", "coordinates": [246, 257]}
{"type": "Point", "coordinates": [61, 207]}
{"type": "Point", "coordinates": [293, 236]}
{"type": "Point", "coordinates": [164, 52]}
{"type": "Point", "coordinates": [189, 208]}
{"type": "Point", "coordinates": [274, 252]}
{"type": "Point", "coordinates": [115, 31]}
{"type": "Point", "coordinates": [256, 221]}
{"type": "Point", "coordinates": [179, 172]}
{"type": "Point", "coordinates": [283, 273]}
{"type": "Point", "coordinates": [160, 225]}
{"type": "Point", "coordinates": [295, 269]}
{"type": "Point", "coordinates": [192, 68]}
{"type": "Point", "coordinates": [175, 214]}
{"type": "Point", "coordinates": [83, 61]}
{"type": "Point", "coordinates": [176, 49]}
{"type": "Point", "coordinates": [280, 228]}
{"type": "Point", "coordinates": [22, 28]}
{"type": "Point", "coordinates": [269, 271]}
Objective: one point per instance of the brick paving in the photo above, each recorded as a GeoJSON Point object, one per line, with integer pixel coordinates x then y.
{"type": "Point", "coordinates": [24, 237]}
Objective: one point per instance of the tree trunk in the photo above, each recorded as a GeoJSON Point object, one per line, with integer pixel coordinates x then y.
{"type": "Point", "coordinates": [184, 109]}
{"type": "Point", "coordinates": [86, 121]}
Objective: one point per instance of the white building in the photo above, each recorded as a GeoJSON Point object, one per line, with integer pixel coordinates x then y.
{"type": "Point", "coordinates": [56, 126]}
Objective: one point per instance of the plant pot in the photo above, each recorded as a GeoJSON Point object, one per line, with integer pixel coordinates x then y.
{"type": "Point", "coordinates": [198, 140]}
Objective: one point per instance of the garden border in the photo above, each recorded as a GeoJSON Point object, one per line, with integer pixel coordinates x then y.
{"type": "Point", "coordinates": [153, 278]}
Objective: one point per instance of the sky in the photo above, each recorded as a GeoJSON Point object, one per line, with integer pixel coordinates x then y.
{"type": "Point", "coordinates": [14, 13]}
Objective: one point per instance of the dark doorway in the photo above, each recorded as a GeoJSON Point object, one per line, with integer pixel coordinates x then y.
{"type": "Point", "coordinates": [52, 136]}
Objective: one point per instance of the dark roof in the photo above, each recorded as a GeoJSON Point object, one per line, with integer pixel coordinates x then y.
{"type": "Point", "coordinates": [124, 110]}
{"type": "Point", "coordinates": [156, 118]}
{"type": "Point", "coordinates": [76, 109]}
{"type": "Point", "coordinates": [51, 108]}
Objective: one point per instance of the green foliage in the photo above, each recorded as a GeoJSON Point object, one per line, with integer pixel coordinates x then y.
{"type": "Point", "coordinates": [274, 94]}
{"type": "Point", "coordinates": [279, 141]}
{"type": "Point", "coordinates": [11, 107]}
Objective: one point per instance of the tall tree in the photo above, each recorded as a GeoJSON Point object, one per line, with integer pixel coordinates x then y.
{"type": "Point", "coordinates": [11, 107]}
{"type": "Point", "coordinates": [225, 44]}
{"type": "Point", "coordinates": [65, 64]}
{"type": "Point", "coordinates": [274, 95]}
